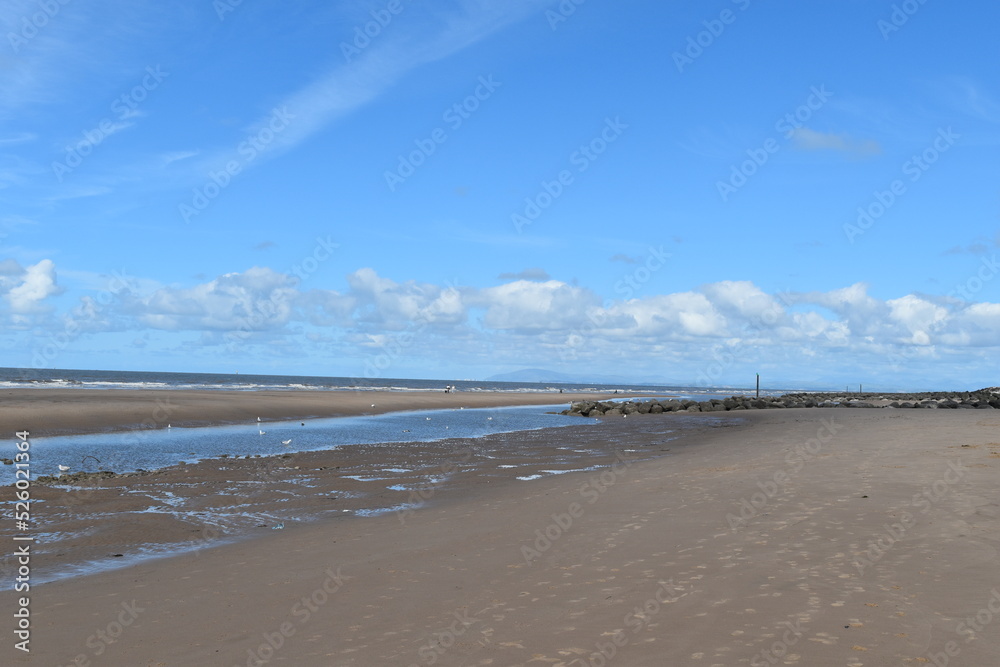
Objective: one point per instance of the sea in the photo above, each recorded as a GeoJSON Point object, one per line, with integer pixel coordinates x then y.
{"type": "Point", "coordinates": [92, 379]}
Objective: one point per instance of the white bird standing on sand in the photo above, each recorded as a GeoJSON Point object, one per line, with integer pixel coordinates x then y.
{"type": "Point", "coordinates": [258, 418]}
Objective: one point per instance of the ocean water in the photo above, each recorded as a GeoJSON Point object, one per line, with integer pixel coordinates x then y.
{"type": "Point", "coordinates": [29, 377]}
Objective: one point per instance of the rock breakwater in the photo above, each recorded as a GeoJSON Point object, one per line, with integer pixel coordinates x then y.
{"type": "Point", "coordinates": [984, 399]}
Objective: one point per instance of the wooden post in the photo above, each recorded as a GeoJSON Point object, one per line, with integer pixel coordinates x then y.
{"type": "Point", "coordinates": [758, 385]}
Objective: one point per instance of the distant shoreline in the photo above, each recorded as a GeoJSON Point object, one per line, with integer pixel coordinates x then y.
{"type": "Point", "coordinates": [68, 411]}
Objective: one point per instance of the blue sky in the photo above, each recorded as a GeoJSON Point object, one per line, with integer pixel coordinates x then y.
{"type": "Point", "coordinates": [689, 192]}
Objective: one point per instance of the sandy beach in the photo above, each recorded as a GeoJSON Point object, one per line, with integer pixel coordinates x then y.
{"type": "Point", "coordinates": [63, 411]}
{"type": "Point", "coordinates": [784, 537]}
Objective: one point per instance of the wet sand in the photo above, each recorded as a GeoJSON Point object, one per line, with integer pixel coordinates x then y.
{"type": "Point", "coordinates": [64, 411]}
{"type": "Point", "coordinates": [786, 537]}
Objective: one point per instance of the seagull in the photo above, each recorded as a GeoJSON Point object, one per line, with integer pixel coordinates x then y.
{"type": "Point", "coordinates": [263, 432]}
{"type": "Point", "coordinates": [63, 468]}
{"type": "Point", "coordinates": [489, 418]}
{"type": "Point", "coordinates": [278, 526]}
{"type": "Point", "coordinates": [373, 405]}
{"type": "Point", "coordinates": [258, 418]}
{"type": "Point", "coordinates": [168, 425]}
{"type": "Point", "coordinates": [427, 418]}
{"type": "Point", "coordinates": [286, 442]}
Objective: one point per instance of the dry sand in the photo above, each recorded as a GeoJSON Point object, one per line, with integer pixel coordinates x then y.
{"type": "Point", "coordinates": [785, 538]}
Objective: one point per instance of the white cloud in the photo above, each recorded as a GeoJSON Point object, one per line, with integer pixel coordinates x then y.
{"type": "Point", "coordinates": [261, 299]}
{"type": "Point", "coordinates": [382, 301]}
{"type": "Point", "coordinates": [919, 316]}
{"type": "Point", "coordinates": [27, 289]}
{"type": "Point", "coordinates": [255, 300]}
{"type": "Point", "coordinates": [531, 322]}
{"type": "Point", "coordinates": [742, 298]}
{"type": "Point", "coordinates": [533, 306]}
